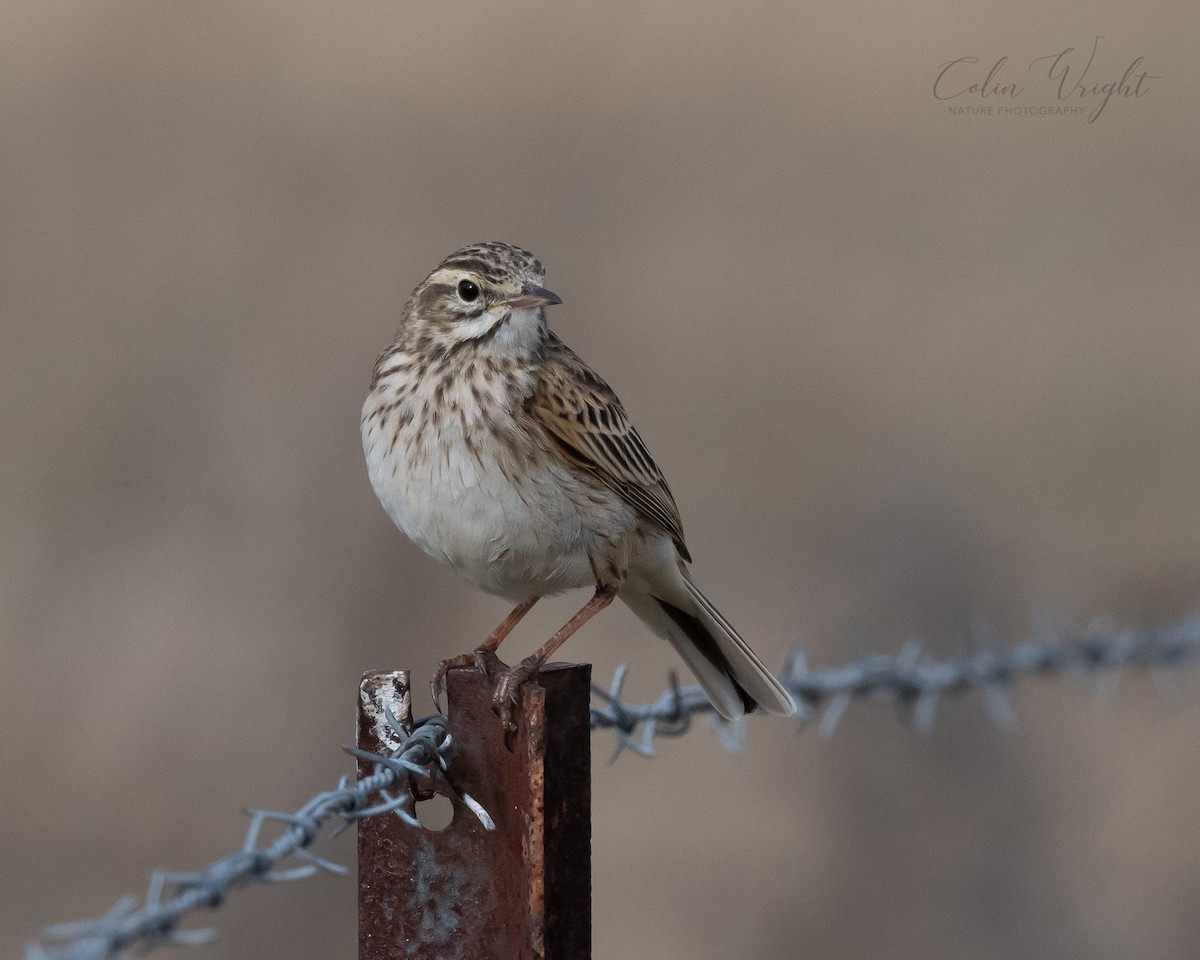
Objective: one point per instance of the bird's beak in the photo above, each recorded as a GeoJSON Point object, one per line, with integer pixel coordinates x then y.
{"type": "Point", "coordinates": [532, 295]}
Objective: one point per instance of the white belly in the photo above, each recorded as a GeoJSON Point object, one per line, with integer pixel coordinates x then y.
{"type": "Point", "coordinates": [457, 503]}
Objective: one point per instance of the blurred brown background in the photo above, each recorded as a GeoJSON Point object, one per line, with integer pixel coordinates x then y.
{"type": "Point", "coordinates": [904, 370]}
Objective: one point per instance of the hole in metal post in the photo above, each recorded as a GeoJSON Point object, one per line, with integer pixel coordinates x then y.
{"type": "Point", "coordinates": [436, 813]}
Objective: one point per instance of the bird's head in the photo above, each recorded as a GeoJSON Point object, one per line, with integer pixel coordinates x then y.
{"type": "Point", "coordinates": [489, 295]}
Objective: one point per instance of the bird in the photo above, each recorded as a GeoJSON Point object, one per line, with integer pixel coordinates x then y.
{"type": "Point", "coordinates": [504, 456]}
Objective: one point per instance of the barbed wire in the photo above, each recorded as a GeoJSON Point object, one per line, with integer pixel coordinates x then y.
{"type": "Point", "coordinates": [155, 921]}
{"type": "Point", "coordinates": [913, 680]}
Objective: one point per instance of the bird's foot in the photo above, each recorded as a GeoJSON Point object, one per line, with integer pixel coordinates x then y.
{"type": "Point", "coordinates": [506, 697]}
{"type": "Point", "coordinates": [482, 658]}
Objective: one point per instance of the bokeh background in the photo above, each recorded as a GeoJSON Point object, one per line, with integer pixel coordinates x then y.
{"type": "Point", "coordinates": [908, 373]}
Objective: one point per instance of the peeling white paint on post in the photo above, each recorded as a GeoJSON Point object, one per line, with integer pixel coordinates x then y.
{"type": "Point", "coordinates": [380, 693]}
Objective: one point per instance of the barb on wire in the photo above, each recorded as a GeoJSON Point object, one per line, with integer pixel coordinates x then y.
{"type": "Point", "coordinates": [911, 679]}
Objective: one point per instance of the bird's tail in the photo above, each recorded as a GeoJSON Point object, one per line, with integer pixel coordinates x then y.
{"type": "Point", "coordinates": [729, 672]}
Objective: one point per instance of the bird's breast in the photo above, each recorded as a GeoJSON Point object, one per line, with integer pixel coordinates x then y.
{"type": "Point", "coordinates": [461, 470]}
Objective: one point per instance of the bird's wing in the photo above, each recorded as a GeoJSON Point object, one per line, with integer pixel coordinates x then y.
{"type": "Point", "coordinates": [583, 416]}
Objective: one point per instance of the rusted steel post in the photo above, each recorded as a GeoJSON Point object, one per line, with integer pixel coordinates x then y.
{"type": "Point", "coordinates": [519, 892]}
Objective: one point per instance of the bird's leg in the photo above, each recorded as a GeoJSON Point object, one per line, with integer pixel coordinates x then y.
{"type": "Point", "coordinates": [482, 656]}
{"type": "Point", "coordinates": [508, 690]}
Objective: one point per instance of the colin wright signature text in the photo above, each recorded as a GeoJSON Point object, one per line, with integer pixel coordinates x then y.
{"type": "Point", "coordinates": [1069, 74]}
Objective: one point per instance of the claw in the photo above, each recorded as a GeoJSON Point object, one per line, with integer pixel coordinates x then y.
{"type": "Point", "coordinates": [487, 663]}
{"type": "Point", "coordinates": [505, 703]}
{"type": "Point", "coordinates": [481, 658]}
{"type": "Point", "coordinates": [506, 697]}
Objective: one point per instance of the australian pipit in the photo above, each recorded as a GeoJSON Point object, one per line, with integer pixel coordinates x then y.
{"type": "Point", "coordinates": [502, 454]}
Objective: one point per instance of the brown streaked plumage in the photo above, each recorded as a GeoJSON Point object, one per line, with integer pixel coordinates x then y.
{"type": "Point", "coordinates": [583, 415]}
{"type": "Point", "coordinates": [502, 454]}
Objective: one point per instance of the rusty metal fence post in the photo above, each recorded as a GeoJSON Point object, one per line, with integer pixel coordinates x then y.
{"type": "Point", "coordinates": [519, 892]}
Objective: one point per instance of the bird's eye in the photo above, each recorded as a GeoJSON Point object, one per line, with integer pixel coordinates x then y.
{"type": "Point", "coordinates": [468, 290]}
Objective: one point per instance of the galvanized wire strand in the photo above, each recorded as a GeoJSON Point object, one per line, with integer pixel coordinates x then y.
{"type": "Point", "coordinates": [171, 896]}
{"type": "Point", "coordinates": [910, 678]}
